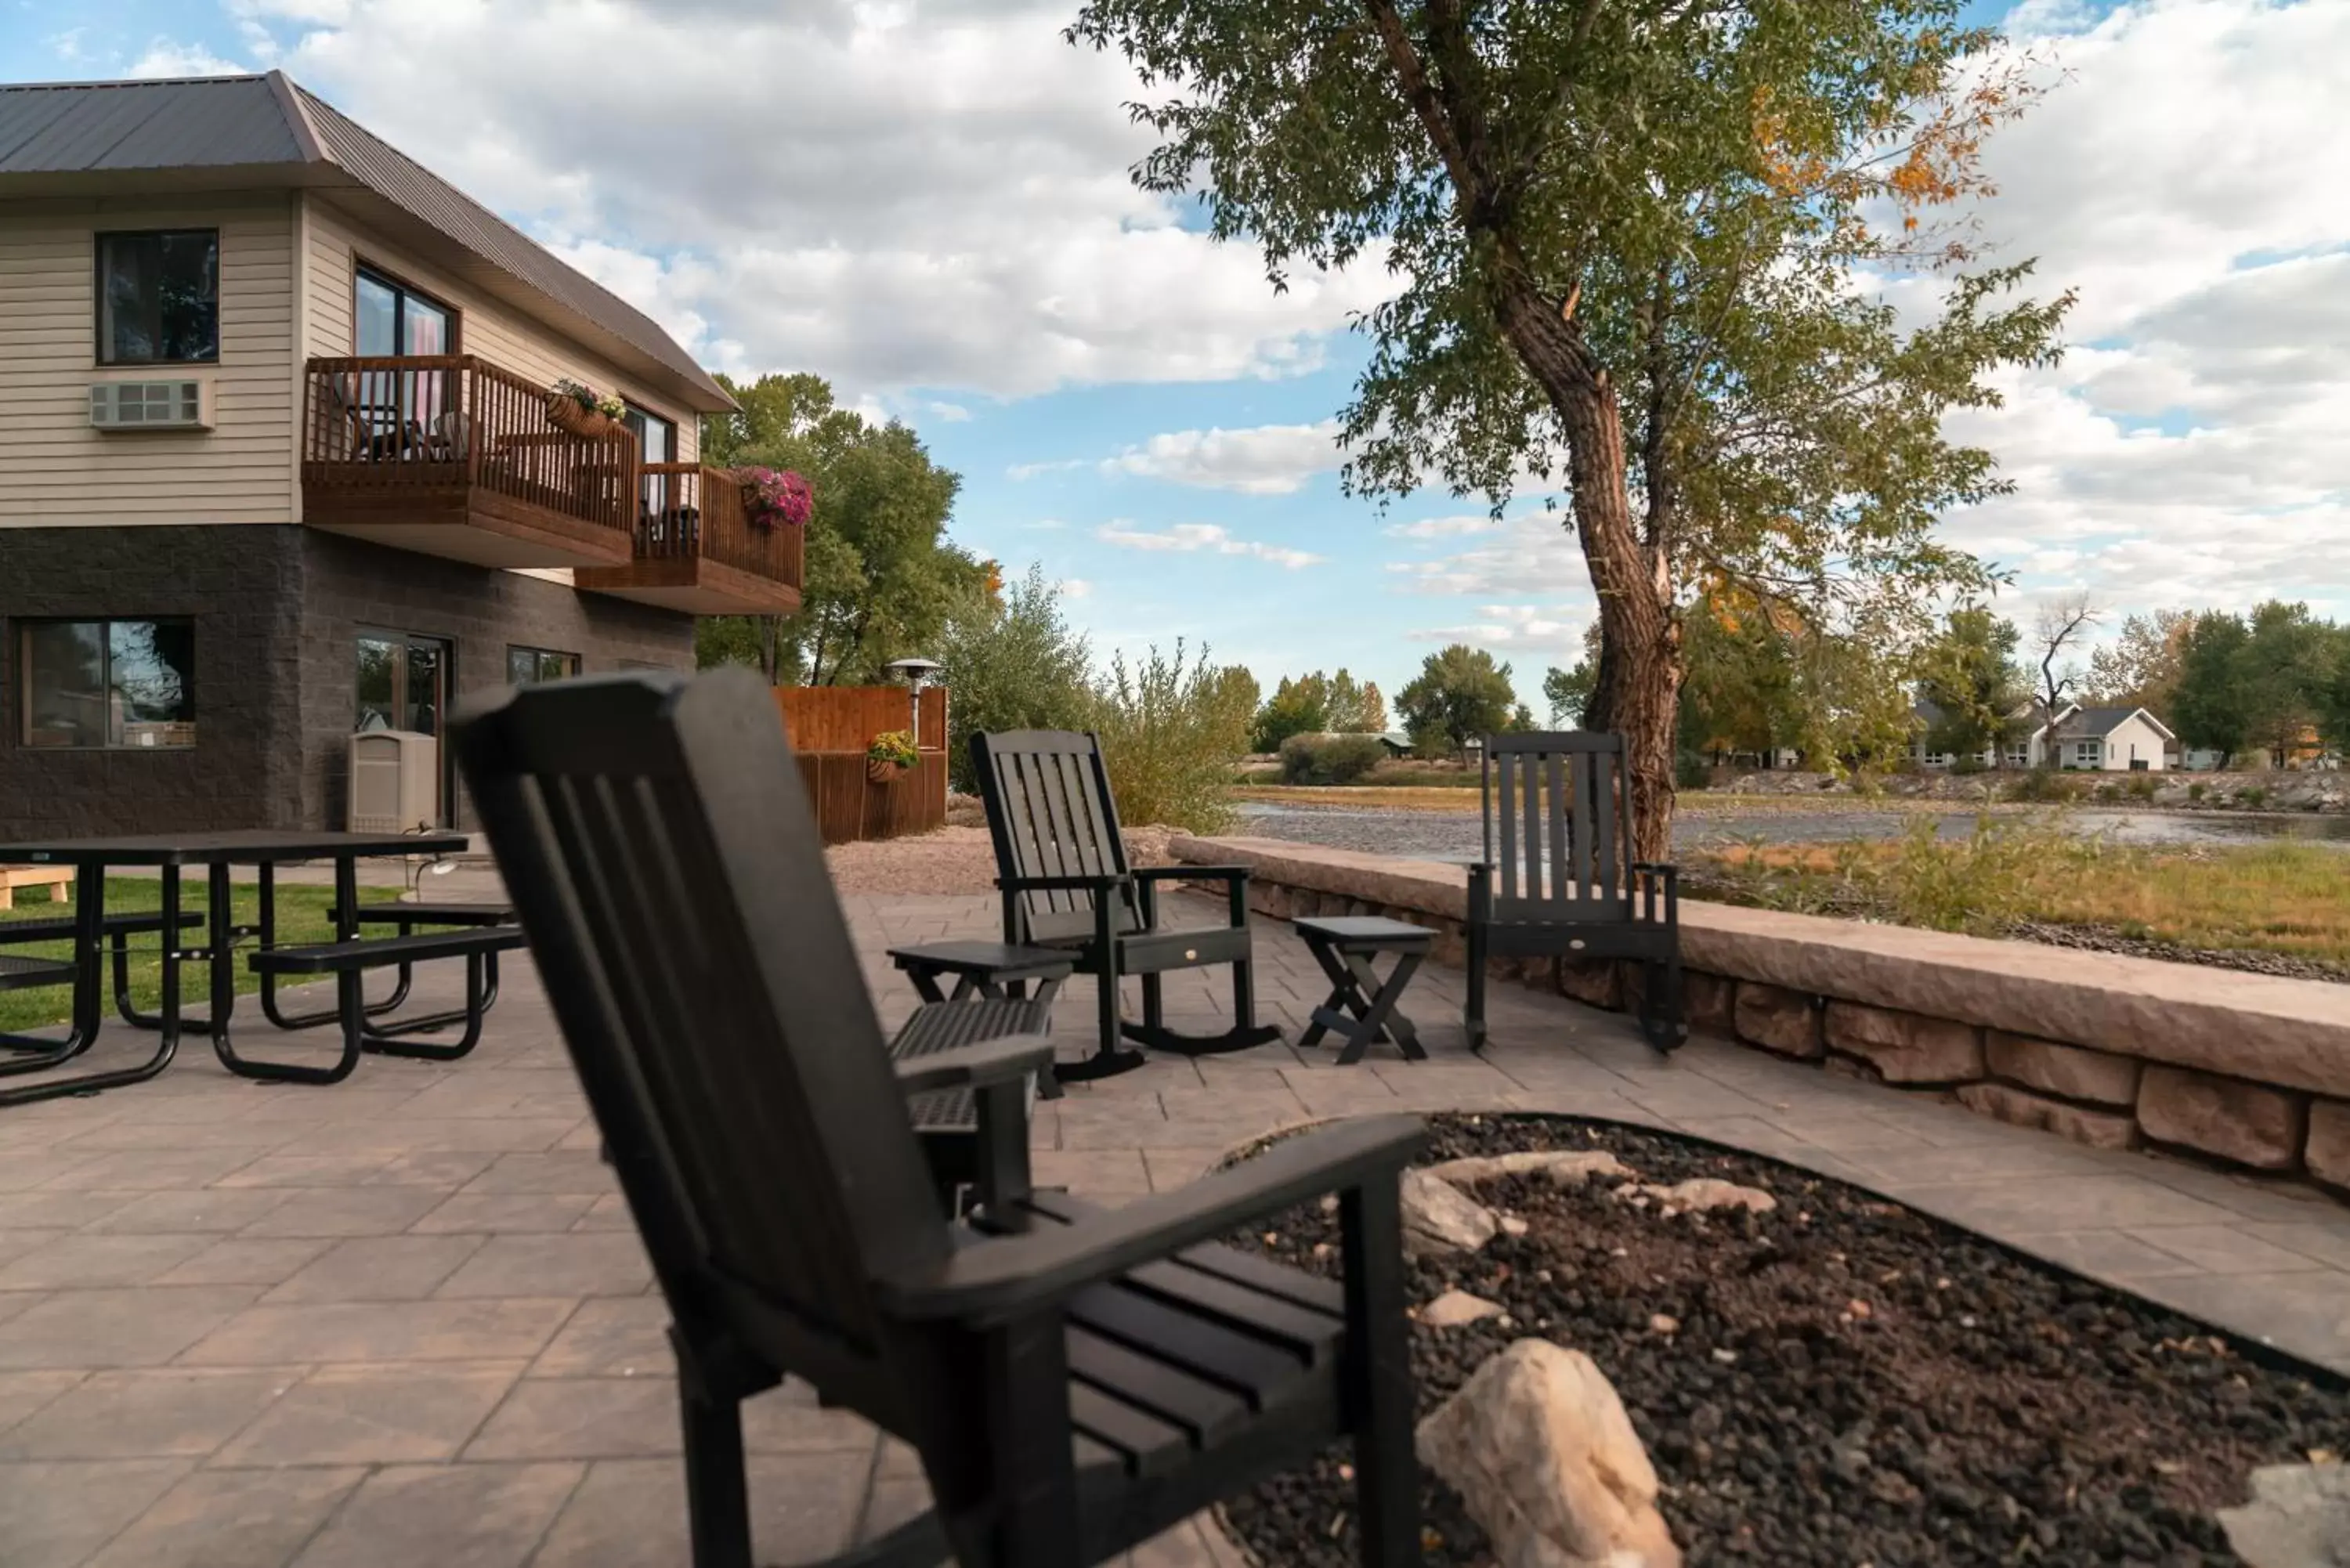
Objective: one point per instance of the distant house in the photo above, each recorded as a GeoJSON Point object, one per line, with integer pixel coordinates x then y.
{"type": "Point", "coordinates": [1931, 717]}
{"type": "Point", "coordinates": [2105, 739]}
{"type": "Point", "coordinates": [1396, 743]}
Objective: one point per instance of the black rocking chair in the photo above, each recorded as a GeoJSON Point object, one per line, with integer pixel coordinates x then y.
{"type": "Point", "coordinates": [1061, 864]}
{"type": "Point", "coordinates": [1075, 1379]}
{"type": "Point", "coordinates": [1558, 801]}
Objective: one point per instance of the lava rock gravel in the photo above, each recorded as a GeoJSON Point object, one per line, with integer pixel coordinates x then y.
{"type": "Point", "coordinates": [1843, 1383]}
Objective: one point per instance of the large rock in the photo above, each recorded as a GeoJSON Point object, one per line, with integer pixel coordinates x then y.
{"type": "Point", "coordinates": [2329, 1141]}
{"type": "Point", "coordinates": [1439, 1217]}
{"type": "Point", "coordinates": [1547, 1462]}
{"type": "Point", "coordinates": [2299, 1518]}
{"type": "Point", "coordinates": [1454, 1308]}
{"type": "Point", "coordinates": [1565, 1166]}
{"type": "Point", "coordinates": [1777, 1019]}
{"type": "Point", "coordinates": [2250, 1124]}
{"type": "Point", "coordinates": [1907, 1047]}
{"type": "Point", "coordinates": [1711, 1000]}
{"type": "Point", "coordinates": [2069, 1071]}
{"type": "Point", "coordinates": [1702, 1195]}
{"type": "Point", "coordinates": [2021, 1107]}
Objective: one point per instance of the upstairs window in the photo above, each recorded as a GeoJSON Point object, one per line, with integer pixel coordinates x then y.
{"type": "Point", "coordinates": [159, 297]}
{"type": "Point", "coordinates": [108, 683]}
{"type": "Point", "coordinates": [394, 320]}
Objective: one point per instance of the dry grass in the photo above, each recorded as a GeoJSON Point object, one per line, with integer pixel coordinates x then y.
{"type": "Point", "coordinates": [2283, 897]}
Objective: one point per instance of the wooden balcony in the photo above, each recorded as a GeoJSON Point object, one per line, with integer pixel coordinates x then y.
{"type": "Point", "coordinates": [697, 549]}
{"type": "Point", "coordinates": [450, 456]}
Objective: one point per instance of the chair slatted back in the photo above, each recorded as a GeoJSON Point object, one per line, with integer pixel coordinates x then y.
{"type": "Point", "coordinates": [658, 847]}
{"type": "Point", "coordinates": [1557, 826]}
{"type": "Point", "coordinates": [1050, 814]}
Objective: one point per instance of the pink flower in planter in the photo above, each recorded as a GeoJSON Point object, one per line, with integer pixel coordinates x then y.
{"type": "Point", "coordinates": [776, 496]}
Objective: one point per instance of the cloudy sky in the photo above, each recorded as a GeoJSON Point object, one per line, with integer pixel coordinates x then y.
{"type": "Point", "coordinates": [927, 202]}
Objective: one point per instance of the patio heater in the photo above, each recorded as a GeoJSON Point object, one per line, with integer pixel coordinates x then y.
{"type": "Point", "coordinates": [916, 673]}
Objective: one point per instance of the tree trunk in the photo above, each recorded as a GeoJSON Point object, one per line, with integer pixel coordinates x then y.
{"type": "Point", "coordinates": [1639, 686]}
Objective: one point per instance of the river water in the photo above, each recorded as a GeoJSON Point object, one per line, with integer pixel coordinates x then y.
{"type": "Point", "coordinates": [1459, 835]}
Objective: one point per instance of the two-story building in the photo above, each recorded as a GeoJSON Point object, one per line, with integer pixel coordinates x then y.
{"type": "Point", "coordinates": [281, 460]}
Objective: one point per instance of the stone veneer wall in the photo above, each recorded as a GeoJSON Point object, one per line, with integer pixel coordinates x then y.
{"type": "Point", "coordinates": [2110, 1051]}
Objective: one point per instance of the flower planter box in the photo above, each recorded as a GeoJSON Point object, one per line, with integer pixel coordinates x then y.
{"type": "Point", "coordinates": [883, 771]}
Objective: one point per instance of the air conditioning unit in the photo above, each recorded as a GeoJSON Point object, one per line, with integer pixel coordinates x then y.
{"type": "Point", "coordinates": [395, 781]}
{"type": "Point", "coordinates": [148, 406]}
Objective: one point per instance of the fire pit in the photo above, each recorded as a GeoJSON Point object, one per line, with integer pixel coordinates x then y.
{"type": "Point", "coordinates": [1838, 1381]}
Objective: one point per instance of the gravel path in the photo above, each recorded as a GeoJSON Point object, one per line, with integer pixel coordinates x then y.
{"type": "Point", "coordinates": [954, 859]}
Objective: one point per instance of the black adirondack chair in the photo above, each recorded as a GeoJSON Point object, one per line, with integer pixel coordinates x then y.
{"type": "Point", "coordinates": [1558, 805]}
{"type": "Point", "coordinates": [1061, 865]}
{"type": "Point", "coordinates": [1075, 1379]}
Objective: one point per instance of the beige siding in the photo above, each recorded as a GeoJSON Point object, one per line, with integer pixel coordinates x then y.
{"type": "Point", "coordinates": [59, 471]}
{"type": "Point", "coordinates": [489, 327]}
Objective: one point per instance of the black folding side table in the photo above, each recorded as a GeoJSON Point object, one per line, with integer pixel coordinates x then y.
{"type": "Point", "coordinates": [1343, 945]}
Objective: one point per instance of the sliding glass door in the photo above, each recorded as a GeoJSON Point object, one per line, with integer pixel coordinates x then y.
{"type": "Point", "coordinates": [405, 682]}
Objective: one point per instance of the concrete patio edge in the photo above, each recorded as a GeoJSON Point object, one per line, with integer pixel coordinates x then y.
{"type": "Point", "coordinates": [2250, 1068]}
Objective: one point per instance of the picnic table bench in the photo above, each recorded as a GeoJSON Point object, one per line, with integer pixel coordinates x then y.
{"type": "Point", "coordinates": [348, 962]}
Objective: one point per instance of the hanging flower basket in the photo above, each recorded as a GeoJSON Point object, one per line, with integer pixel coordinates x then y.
{"type": "Point", "coordinates": [581, 411]}
{"type": "Point", "coordinates": [889, 756]}
{"type": "Point", "coordinates": [776, 498]}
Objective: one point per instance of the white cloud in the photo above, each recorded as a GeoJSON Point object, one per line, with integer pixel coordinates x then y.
{"type": "Point", "coordinates": [1075, 588]}
{"type": "Point", "coordinates": [1266, 459]}
{"type": "Point", "coordinates": [1030, 470]}
{"type": "Point", "coordinates": [1187, 537]}
{"type": "Point", "coordinates": [948, 413]}
{"type": "Point", "coordinates": [1535, 629]}
{"type": "Point", "coordinates": [930, 195]}
{"type": "Point", "coordinates": [1445, 527]}
{"type": "Point", "coordinates": [166, 58]}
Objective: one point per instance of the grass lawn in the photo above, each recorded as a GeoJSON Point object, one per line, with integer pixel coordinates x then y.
{"type": "Point", "coordinates": [302, 917]}
{"type": "Point", "coordinates": [2281, 898]}
{"type": "Point", "coordinates": [1451, 797]}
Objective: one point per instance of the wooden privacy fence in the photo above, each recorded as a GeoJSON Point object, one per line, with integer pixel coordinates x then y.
{"type": "Point", "coordinates": [830, 728]}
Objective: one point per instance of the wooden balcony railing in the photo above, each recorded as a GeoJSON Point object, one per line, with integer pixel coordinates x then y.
{"type": "Point", "coordinates": [375, 428]}
{"type": "Point", "coordinates": [691, 512]}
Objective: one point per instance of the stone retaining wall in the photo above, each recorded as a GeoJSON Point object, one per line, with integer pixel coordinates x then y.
{"type": "Point", "coordinates": [2107, 1050]}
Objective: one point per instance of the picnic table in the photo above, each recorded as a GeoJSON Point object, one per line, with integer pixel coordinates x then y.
{"type": "Point", "coordinates": [171, 855]}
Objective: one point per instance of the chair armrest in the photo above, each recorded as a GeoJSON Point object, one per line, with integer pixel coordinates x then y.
{"type": "Point", "coordinates": [1234, 877]}
{"type": "Point", "coordinates": [1002, 1279]}
{"type": "Point", "coordinates": [1059, 884]}
{"type": "Point", "coordinates": [975, 1066]}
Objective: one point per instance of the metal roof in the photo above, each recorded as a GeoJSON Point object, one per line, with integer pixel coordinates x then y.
{"type": "Point", "coordinates": [85, 127]}
{"type": "Point", "coordinates": [269, 123]}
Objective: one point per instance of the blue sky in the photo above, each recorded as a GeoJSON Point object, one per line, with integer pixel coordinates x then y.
{"type": "Point", "coordinates": [925, 201]}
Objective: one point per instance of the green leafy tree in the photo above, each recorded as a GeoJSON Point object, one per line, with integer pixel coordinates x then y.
{"type": "Point", "coordinates": [1740, 692]}
{"type": "Point", "coordinates": [2208, 705]}
{"type": "Point", "coordinates": [1012, 663]}
{"type": "Point", "coordinates": [2333, 704]}
{"type": "Point", "coordinates": [1568, 690]}
{"type": "Point", "coordinates": [1628, 240]}
{"type": "Point", "coordinates": [1973, 680]}
{"type": "Point", "coordinates": [881, 580]}
{"type": "Point", "coordinates": [2139, 669]}
{"type": "Point", "coordinates": [1318, 704]}
{"type": "Point", "coordinates": [2287, 664]}
{"type": "Point", "coordinates": [1299, 706]}
{"type": "Point", "coordinates": [1459, 695]}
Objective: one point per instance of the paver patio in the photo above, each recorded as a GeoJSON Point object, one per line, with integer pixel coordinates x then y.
{"type": "Point", "coordinates": [405, 1319]}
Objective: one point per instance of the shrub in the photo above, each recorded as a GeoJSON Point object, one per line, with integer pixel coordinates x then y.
{"type": "Point", "coordinates": [1979, 883]}
{"type": "Point", "coordinates": [2040, 784]}
{"type": "Point", "coordinates": [2253, 795]}
{"type": "Point", "coordinates": [1169, 732]}
{"type": "Point", "coordinates": [2141, 786]}
{"type": "Point", "coordinates": [1689, 771]}
{"type": "Point", "coordinates": [1016, 665]}
{"type": "Point", "coordinates": [2108, 793]}
{"type": "Point", "coordinates": [1329, 759]}
{"type": "Point", "coordinates": [2198, 791]}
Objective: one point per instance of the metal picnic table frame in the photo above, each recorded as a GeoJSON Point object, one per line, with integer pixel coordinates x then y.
{"type": "Point", "coordinates": [169, 855]}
